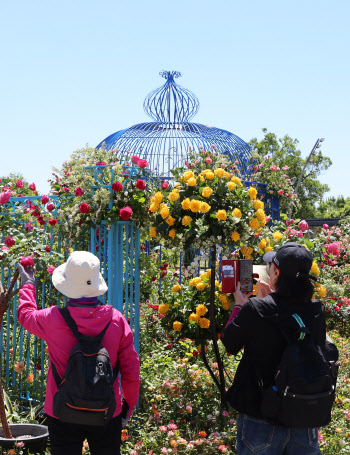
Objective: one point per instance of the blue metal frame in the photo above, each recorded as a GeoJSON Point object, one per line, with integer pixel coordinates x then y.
{"type": "Point", "coordinates": [165, 143]}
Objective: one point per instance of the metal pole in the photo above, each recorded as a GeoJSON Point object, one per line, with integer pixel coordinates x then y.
{"type": "Point", "coordinates": [317, 145]}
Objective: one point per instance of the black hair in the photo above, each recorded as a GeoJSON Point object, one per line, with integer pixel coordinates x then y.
{"type": "Point", "coordinates": [298, 289]}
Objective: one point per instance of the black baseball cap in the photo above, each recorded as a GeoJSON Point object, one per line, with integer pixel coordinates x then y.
{"type": "Point", "coordinates": [291, 259]}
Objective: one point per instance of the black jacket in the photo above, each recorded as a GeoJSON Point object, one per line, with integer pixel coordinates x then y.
{"type": "Point", "coordinates": [256, 328]}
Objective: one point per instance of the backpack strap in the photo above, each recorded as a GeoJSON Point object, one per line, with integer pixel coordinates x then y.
{"type": "Point", "coordinates": [55, 374]}
{"type": "Point", "coordinates": [74, 328]}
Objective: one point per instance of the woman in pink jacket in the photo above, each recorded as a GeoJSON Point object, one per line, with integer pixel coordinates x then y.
{"type": "Point", "coordinates": [80, 280]}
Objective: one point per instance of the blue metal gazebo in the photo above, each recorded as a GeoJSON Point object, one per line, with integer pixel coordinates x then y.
{"type": "Point", "coordinates": [166, 141]}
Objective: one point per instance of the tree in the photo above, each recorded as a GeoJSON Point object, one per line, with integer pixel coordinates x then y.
{"type": "Point", "coordinates": [284, 152]}
{"type": "Point", "coordinates": [334, 207]}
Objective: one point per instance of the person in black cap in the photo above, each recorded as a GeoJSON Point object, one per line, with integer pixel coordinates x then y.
{"type": "Point", "coordinates": [256, 328]}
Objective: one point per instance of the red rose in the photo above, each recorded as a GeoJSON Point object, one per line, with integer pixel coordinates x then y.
{"type": "Point", "coordinates": [100, 163]}
{"type": "Point", "coordinates": [26, 261]}
{"type": "Point", "coordinates": [45, 199]}
{"type": "Point", "coordinates": [135, 159]}
{"type": "Point", "coordinates": [47, 248]}
{"type": "Point", "coordinates": [125, 213]}
{"type": "Point", "coordinates": [140, 184]}
{"type": "Point", "coordinates": [117, 186]}
{"type": "Point", "coordinates": [84, 207]}
{"type": "Point", "coordinates": [5, 197]}
{"type": "Point", "coordinates": [65, 189]}
{"type": "Point", "coordinates": [19, 184]}
{"type": "Point", "coordinates": [165, 185]}
{"type": "Point", "coordinates": [9, 241]}
{"type": "Point", "coordinates": [50, 206]}
{"type": "Point", "coordinates": [32, 186]}
{"type": "Point", "coordinates": [78, 191]}
{"type": "Point", "coordinates": [142, 164]}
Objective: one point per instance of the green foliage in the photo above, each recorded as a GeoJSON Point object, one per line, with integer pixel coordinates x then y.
{"type": "Point", "coordinates": [284, 152]}
{"type": "Point", "coordinates": [333, 207]}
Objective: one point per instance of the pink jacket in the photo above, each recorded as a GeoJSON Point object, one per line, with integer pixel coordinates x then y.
{"type": "Point", "coordinates": [49, 325]}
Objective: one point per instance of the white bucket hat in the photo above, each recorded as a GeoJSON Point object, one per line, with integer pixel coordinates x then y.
{"type": "Point", "coordinates": [80, 276]}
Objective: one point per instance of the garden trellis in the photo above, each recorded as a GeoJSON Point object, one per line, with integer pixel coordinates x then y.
{"type": "Point", "coordinates": [118, 247]}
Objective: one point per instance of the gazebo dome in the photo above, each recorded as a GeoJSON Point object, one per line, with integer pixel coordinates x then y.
{"type": "Point", "coordinates": [166, 141]}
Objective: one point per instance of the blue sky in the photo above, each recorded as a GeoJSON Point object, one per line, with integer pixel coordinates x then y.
{"type": "Point", "coordinates": [73, 72]}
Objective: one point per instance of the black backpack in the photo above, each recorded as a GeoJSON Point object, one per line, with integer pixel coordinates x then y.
{"type": "Point", "coordinates": [303, 390]}
{"type": "Point", "coordinates": [85, 392]}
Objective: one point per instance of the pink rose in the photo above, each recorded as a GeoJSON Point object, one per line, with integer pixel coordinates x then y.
{"type": "Point", "coordinates": [65, 189]}
{"type": "Point", "coordinates": [32, 186]}
{"type": "Point", "coordinates": [5, 248]}
{"type": "Point", "coordinates": [84, 207]}
{"type": "Point", "coordinates": [303, 226]}
{"type": "Point", "coordinates": [5, 197]}
{"type": "Point", "coordinates": [208, 160]}
{"type": "Point", "coordinates": [117, 186]}
{"type": "Point", "coordinates": [26, 261]}
{"type": "Point", "coordinates": [78, 191]}
{"type": "Point", "coordinates": [29, 225]}
{"type": "Point", "coordinates": [142, 164]}
{"type": "Point", "coordinates": [50, 206]}
{"type": "Point", "coordinates": [9, 241]}
{"type": "Point", "coordinates": [19, 184]}
{"type": "Point", "coordinates": [100, 163]}
{"type": "Point", "coordinates": [135, 159]}
{"type": "Point", "coordinates": [140, 184]}
{"type": "Point", "coordinates": [45, 199]}
{"type": "Point", "coordinates": [300, 234]}
{"type": "Point", "coordinates": [325, 226]}
{"type": "Point", "coordinates": [50, 269]}
{"type": "Point", "coordinates": [125, 213]}
{"type": "Point", "coordinates": [273, 168]}
{"type": "Point", "coordinates": [256, 168]}
{"type": "Point", "coordinates": [280, 192]}
{"type": "Point", "coordinates": [165, 185]}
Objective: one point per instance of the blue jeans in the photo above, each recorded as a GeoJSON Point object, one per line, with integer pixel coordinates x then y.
{"type": "Point", "coordinates": [255, 436]}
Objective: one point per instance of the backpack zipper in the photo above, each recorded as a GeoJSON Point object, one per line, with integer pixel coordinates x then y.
{"type": "Point", "coordinates": [286, 390]}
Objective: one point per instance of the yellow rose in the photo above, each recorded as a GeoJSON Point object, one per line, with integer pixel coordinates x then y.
{"type": "Point", "coordinates": [201, 178]}
{"type": "Point", "coordinates": [252, 193]}
{"type": "Point", "coordinates": [200, 286]}
{"type": "Point", "coordinates": [195, 205]}
{"type": "Point", "coordinates": [236, 180]}
{"type": "Point", "coordinates": [176, 288]}
{"type": "Point", "coordinates": [227, 175]}
{"type": "Point", "coordinates": [258, 204]}
{"type": "Point", "coordinates": [177, 326]}
{"type": "Point", "coordinates": [321, 291]}
{"type": "Point", "coordinates": [187, 175]}
{"type": "Point", "coordinates": [260, 214]}
{"type": "Point", "coordinates": [172, 233]}
{"type": "Point", "coordinates": [153, 232]}
{"type": "Point", "coordinates": [314, 269]}
{"type": "Point", "coordinates": [207, 191]}
{"type": "Point", "coordinates": [164, 212]}
{"type": "Point", "coordinates": [194, 281]}
{"type": "Point", "coordinates": [268, 248]}
{"type": "Point", "coordinates": [192, 182]}
{"type": "Point", "coordinates": [201, 310]}
{"type": "Point", "coordinates": [158, 197]}
{"type": "Point", "coordinates": [163, 308]}
{"type": "Point", "coordinates": [208, 273]}
{"type": "Point", "coordinates": [231, 186]}
{"type": "Point", "coordinates": [236, 213]}
{"type": "Point", "coordinates": [277, 236]}
{"type": "Point", "coordinates": [221, 215]}
{"type": "Point", "coordinates": [205, 207]}
{"type": "Point", "coordinates": [204, 323]}
{"type": "Point", "coordinates": [254, 223]}
{"type": "Point", "coordinates": [226, 305]}
{"type": "Point", "coordinates": [154, 207]}
{"type": "Point", "coordinates": [209, 175]}
{"type": "Point", "coordinates": [235, 236]}
{"type": "Point", "coordinates": [186, 220]}
{"type": "Point", "coordinates": [170, 220]}
{"type": "Point", "coordinates": [223, 298]}
{"type": "Point", "coordinates": [173, 196]}
{"type": "Point", "coordinates": [186, 204]}
{"type": "Point", "coordinates": [219, 172]}
{"type": "Point", "coordinates": [193, 317]}
{"type": "Point", "coordinates": [262, 244]}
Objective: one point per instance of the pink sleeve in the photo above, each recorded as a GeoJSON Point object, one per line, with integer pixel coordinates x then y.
{"type": "Point", "coordinates": [32, 319]}
{"type": "Point", "coordinates": [129, 367]}
{"type": "Point", "coordinates": [236, 309]}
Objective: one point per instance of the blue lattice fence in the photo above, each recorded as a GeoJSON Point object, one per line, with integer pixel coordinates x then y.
{"type": "Point", "coordinates": [118, 248]}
